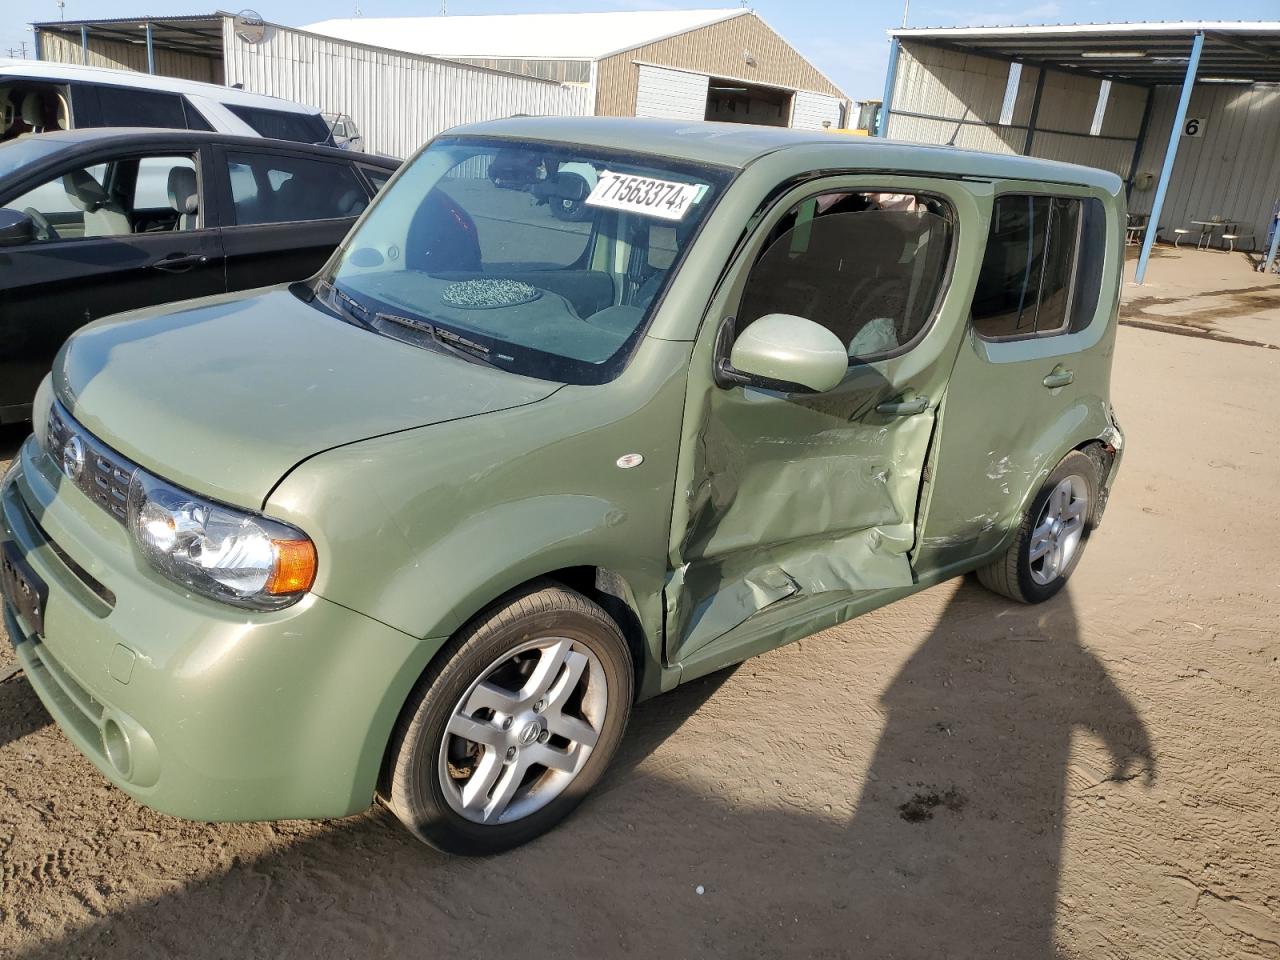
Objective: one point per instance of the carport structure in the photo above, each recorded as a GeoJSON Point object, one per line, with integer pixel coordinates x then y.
{"type": "Point", "coordinates": [1129, 96]}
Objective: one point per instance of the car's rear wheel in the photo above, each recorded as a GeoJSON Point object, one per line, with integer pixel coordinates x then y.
{"type": "Point", "coordinates": [516, 721]}
{"type": "Point", "coordinates": [1051, 538]}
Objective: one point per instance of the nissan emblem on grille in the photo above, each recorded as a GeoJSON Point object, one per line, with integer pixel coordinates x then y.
{"type": "Point", "coordinates": [73, 458]}
{"type": "Point", "coordinates": [97, 470]}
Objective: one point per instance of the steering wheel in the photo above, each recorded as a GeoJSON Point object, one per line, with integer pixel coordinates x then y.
{"type": "Point", "coordinates": [44, 229]}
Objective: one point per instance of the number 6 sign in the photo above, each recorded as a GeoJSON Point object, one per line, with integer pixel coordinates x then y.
{"type": "Point", "coordinates": [1193, 127]}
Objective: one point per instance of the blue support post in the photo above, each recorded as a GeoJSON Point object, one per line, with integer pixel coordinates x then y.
{"type": "Point", "coordinates": [1170, 154]}
{"type": "Point", "coordinates": [891, 75]}
{"type": "Point", "coordinates": [151, 51]}
{"type": "Point", "coordinates": [35, 33]}
{"type": "Point", "coordinates": [84, 44]}
{"type": "Point", "coordinates": [1275, 243]}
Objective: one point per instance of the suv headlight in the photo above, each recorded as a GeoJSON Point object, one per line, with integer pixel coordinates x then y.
{"type": "Point", "coordinates": [219, 551]}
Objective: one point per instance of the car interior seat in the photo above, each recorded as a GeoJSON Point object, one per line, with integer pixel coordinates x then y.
{"type": "Point", "coordinates": [33, 112]}
{"type": "Point", "coordinates": [102, 217]}
{"type": "Point", "coordinates": [184, 197]}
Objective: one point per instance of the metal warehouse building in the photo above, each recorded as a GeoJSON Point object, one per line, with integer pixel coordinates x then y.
{"type": "Point", "coordinates": [400, 100]}
{"type": "Point", "coordinates": [404, 80]}
{"type": "Point", "coordinates": [1187, 113]}
{"type": "Point", "coordinates": [679, 64]}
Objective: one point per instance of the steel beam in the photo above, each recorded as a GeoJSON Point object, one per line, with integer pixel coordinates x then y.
{"type": "Point", "coordinates": [1170, 155]}
{"type": "Point", "coordinates": [1035, 113]}
{"type": "Point", "coordinates": [151, 51]}
{"type": "Point", "coordinates": [890, 77]}
{"type": "Point", "coordinates": [84, 44]}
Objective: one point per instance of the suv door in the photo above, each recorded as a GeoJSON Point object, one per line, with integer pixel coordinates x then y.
{"type": "Point", "coordinates": [285, 213]}
{"type": "Point", "coordinates": [108, 240]}
{"type": "Point", "coordinates": [1031, 378]}
{"type": "Point", "coordinates": [812, 499]}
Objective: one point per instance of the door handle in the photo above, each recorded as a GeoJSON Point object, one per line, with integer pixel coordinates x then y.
{"type": "Point", "coordinates": [179, 263]}
{"type": "Point", "coordinates": [905, 407]}
{"type": "Point", "coordinates": [1060, 376]}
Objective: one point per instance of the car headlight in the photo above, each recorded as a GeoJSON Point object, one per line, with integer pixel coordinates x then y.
{"type": "Point", "coordinates": [219, 551]}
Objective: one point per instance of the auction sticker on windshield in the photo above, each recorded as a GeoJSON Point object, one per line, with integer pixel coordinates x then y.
{"type": "Point", "coordinates": [665, 199]}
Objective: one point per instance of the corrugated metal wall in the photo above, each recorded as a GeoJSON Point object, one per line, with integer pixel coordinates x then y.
{"type": "Point", "coordinates": [562, 71]}
{"type": "Point", "coordinates": [398, 100]}
{"type": "Point", "coordinates": [1232, 170]}
{"type": "Point", "coordinates": [944, 96]}
{"type": "Point", "coordinates": [717, 50]}
{"type": "Point", "coordinates": [117, 54]}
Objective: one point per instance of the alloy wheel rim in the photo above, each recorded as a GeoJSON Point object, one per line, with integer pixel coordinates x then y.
{"type": "Point", "coordinates": [523, 730]}
{"type": "Point", "coordinates": [1056, 536]}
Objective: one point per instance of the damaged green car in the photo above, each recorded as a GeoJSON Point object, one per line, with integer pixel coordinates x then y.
{"type": "Point", "coordinates": [423, 528]}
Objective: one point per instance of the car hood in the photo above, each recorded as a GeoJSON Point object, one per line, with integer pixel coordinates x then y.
{"type": "Point", "coordinates": [225, 395]}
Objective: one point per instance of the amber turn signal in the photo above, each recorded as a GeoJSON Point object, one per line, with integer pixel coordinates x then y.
{"type": "Point", "coordinates": [295, 567]}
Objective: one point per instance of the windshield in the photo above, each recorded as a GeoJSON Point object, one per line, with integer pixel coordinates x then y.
{"type": "Point", "coordinates": [24, 151]}
{"type": "Point", "coordinates": [543, 260]}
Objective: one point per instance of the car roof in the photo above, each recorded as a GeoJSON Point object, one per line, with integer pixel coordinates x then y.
{"type": "Point", "coordinates": [737, 145]}
{"type": "Point", "coordinates": [92, 137]}
{"type": "Point", "coordinates": [77, 73]}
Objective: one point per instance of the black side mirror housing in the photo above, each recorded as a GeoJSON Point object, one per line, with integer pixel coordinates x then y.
{"type": "Point", "coordinates": [15, 228]}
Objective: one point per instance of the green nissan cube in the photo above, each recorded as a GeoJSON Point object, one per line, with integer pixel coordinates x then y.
{"type": "Point", "coordinates": [581, 409]}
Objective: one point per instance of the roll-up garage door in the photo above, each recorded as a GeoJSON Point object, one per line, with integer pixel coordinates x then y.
{"type": "Point", "coordinates": [671, 94]}
{"type": "Point", "coordinates": [811, 109]}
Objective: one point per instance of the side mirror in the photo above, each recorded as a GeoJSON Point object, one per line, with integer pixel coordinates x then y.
{"type": "Point", "coordinates": [15, 228]}
{"type": "Point", "coordinates": [783, 352]}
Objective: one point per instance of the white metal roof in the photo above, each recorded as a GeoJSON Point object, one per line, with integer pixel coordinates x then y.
{"type": "Point", "coordinates": [1177, 27]}
{"type": "Point", "coordinates": [536, 36]}
{"type": "Point", "coordinates": [1234, 51]}
{"type": "Point", "coordinates": [12, 69]}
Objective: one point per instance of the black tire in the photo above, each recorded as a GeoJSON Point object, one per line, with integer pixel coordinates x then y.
{"type": "Point", "coordinates": [411, 784]}
{"type": "Point", "coordinates": [1011, 575]}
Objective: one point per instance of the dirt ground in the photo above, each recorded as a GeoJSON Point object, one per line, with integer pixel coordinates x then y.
{"type": "Point", "coordinates": [950, 777]}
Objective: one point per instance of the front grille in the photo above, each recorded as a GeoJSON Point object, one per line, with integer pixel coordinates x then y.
{"type": "Point", "coordinates": [99, 472]}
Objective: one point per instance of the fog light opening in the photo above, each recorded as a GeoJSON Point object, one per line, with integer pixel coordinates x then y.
{"type": "Point", "coordinates": [115, 742]}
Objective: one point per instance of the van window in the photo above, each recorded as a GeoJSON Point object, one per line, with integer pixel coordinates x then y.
{"type": "Point", "coordinates": [1038, 278]}
{"type": "Point", "coordinates": [868, 266]}
{"type": "Point", "coordinates": [283, 124]}
{"type": "Point", "coordinates": [273, 189]}
{"type": "Point", "coordinates": [132, 107]}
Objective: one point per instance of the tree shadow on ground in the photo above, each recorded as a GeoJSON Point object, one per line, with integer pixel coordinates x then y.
{"type": "Point", "coordinates": [953, 849]}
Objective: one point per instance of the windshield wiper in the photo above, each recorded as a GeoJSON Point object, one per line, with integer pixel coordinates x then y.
{"type": "Point", "coordinates": [448, 340]}
{"type": "Point", "coordinates": [350, 308]}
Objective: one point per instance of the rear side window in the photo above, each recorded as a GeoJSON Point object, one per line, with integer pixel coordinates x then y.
{"type": "Point", "coordinates": [195, 119]}
{"type": "Point", "coordinates": [132, 107]}
{"type": "Point", "coordinates": [275, 189]}
{"type": "Point", "coordinates": [284, 124]}
{"type": "Point", "coordinates": [868, 266]}
{"type": "Point", "coordinates": [1042, 269]}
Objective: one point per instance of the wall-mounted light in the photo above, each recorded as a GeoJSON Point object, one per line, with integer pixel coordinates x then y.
{"type": "Point", "coordinates": [1113, 54]}
{"type": "Point", "coordinates": [749, 57]}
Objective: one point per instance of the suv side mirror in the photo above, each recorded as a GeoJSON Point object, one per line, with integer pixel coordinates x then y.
{"type": "Point", "coordinates": [783, 352]}
{"type": "Point", "coordinates": [15, 228]}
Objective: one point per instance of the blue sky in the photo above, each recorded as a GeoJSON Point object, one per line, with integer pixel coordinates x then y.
{"type": "Point", "coordinates": [845, 39]}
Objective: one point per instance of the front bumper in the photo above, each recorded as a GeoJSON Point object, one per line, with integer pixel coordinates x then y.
{"type": "Point", "coordinates": [194, 708]}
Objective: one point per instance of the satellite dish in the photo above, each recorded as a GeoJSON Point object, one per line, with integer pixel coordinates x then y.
{"type": "Point", "coordinates": [250, 27]}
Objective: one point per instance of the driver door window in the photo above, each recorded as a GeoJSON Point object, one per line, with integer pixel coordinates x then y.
{"type": "Point", "coordinates": [868, 266]}
{"type": "Point", "coordinates": [118, 198]}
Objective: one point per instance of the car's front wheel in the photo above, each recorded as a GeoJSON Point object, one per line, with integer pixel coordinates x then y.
{"type": "Point", "coordinates": [514, 723]}
{"type": "Point", "coordinates": [1051, 538]}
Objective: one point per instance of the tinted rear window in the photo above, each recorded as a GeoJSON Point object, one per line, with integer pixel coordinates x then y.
{"type": "Point", "coordinates": [1043, 267]}
{"type": "Point", "coordinates": [132, 107]}
{"type": "Point", "coordinates": [283, 124]}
